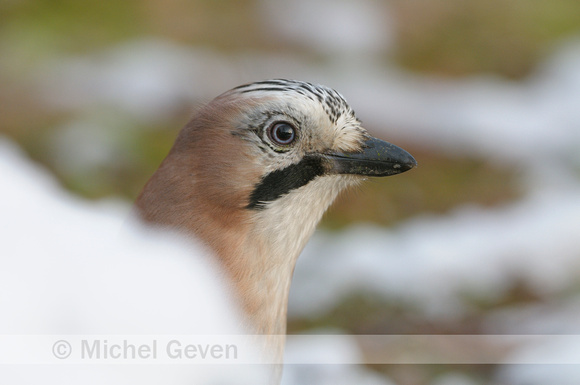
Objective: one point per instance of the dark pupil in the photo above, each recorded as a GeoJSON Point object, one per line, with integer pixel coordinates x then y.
{"type": "Point", "coordinates": [283, 133]}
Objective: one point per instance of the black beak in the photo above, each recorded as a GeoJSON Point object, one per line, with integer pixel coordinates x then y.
{"type": "Point", "coordinates": [378, 158]}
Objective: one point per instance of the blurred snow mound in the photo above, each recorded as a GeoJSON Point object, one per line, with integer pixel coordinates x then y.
{"type": "Point", "coordinates": [66, 267]}
{"type": "Point", "coordinates": [149, 79]}
{"type": "Point", "coordinates": [334, 27]}
{"type": "Point", "coordinates": [77, 265]}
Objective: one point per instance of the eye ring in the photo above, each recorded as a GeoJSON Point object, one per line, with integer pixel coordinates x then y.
{"type": "Point", "coordinates": [282, 133]}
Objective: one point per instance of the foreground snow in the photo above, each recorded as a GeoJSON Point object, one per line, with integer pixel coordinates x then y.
{"type": "Point", "coordinates": [67, 267]}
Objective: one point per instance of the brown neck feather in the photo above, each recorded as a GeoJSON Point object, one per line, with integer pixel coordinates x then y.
{"type": "Point", "coordinates": [183, 194]}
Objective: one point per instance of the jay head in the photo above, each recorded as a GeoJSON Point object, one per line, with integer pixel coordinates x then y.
{"type": "Point", "coordinates": [252, 174]}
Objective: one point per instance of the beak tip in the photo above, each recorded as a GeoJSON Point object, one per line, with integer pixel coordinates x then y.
{"type": "Point", "coordinates": [411, 163]}
{"type": "Point", "coordinates": [405, 162]}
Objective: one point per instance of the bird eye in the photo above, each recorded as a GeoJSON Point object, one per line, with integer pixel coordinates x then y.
{"type": "Point", "coordinates": [282, 133]}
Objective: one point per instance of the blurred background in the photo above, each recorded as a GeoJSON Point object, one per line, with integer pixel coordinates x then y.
{"type": "Point", "coordinates": [482, 238]}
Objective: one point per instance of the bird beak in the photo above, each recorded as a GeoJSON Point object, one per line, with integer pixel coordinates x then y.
{"type": "Point", "coordinates": [377, 158]}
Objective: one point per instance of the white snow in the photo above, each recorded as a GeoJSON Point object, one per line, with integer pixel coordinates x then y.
{"type": "Point", "coordinates": [340, 27]}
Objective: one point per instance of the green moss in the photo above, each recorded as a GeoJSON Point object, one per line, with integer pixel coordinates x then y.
{"type": "Point", "coordinates": [456, 37]}
{"type": "Point", "coordinates": [33, 30]}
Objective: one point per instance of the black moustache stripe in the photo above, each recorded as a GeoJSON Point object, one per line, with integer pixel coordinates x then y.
{"type": "Point", "coordinates": [280, 182]}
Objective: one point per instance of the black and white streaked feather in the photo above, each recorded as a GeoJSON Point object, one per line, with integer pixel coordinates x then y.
{"type": "Point", "coordinates": [333, 102]}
